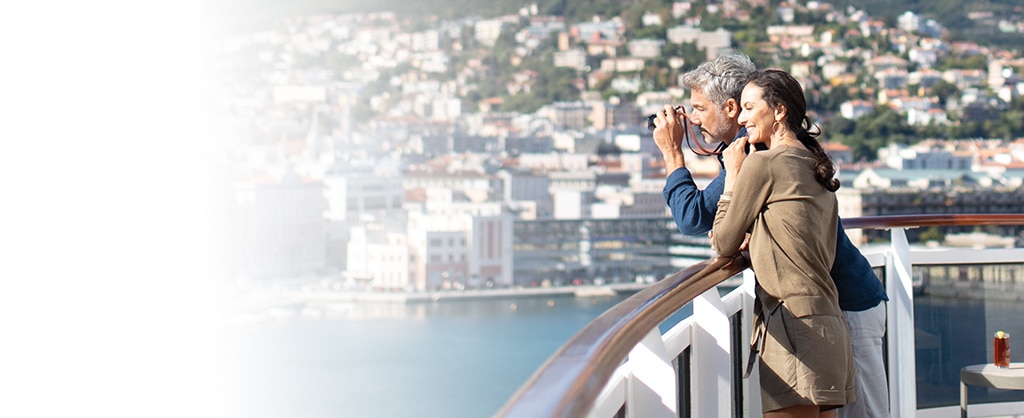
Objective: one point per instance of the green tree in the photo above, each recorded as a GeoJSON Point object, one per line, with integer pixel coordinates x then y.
{"type": "Point", "coordinates": [1013, 120]}
{"type": "Point", "coordinates": [972, 62]}
{"type": "Point", "coordinates": [871, 132]}
{"type": "Point", "coordinates": [692, 57]}
{"type": "Point", "coordinates": [943, 90]}
{"type": "Point", "coordinates": [931, 234]}
{"type": "Point", "coordinates": [833, 98]}
{"type": "Point", "coordinates": [932, 131]}
{"type": "Point", "coordinates": [578, 11]}
{"type": "Point", "coordinates": [839, 126]}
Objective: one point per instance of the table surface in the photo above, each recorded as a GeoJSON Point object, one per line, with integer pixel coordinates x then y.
{"type": "Point", "coordinates": [988, 375]}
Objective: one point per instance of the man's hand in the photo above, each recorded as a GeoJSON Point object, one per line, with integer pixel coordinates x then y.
{"type": "Point", "coordinates": [668, 135]}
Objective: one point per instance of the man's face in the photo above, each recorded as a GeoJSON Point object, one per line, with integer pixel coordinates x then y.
{"type": "Point", "coordinates": [714, 124]}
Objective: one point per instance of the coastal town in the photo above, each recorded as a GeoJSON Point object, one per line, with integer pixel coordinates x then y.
{"type": "Point", "coordinates": [366, 152]}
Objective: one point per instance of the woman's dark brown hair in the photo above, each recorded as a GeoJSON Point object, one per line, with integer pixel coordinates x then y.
{"type": "Point", "coordinates": [780, 88]}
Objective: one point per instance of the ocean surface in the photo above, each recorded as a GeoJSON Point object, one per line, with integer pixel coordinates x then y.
{"type": "Point", "coordinates": [466, 358]}
{"type": "Point", "coordinates": [444, 359]}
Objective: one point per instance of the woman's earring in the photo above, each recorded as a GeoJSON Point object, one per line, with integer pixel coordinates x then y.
{"type": "Point", "coordinates": [776, 136]}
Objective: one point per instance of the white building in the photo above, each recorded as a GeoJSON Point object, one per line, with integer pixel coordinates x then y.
{"type": "Point", "coordinates": [477, 187]}
{"type": "Point", "coordinates": [892, 78]}
{"type": "Point", "coordinates": [459, 250]}
{"type": "Point", "coordinates": [446, 108]}
{"type": "Point", "coordinates": [714, 43]}
{"type": "Point", "coordinates": [908, 21]}
{"type": "Point", "coordinates": [428, 40]}
{"type": "Point", "coordinates": [854, 109]}
{"type": "Point", "coordinates": [900, 158]}
{"type": "Point", "coordinates": [683, 34]}
{"type": "Point", "coordinates": [527, 192]}
{"type": "Point", "coordinates": [559, 161]}
{"type": "Point", "coordinates": [357, 192]}
{"type": "Point", "coordinates": [573, 58]}
{"type": "Point", "coordinates": [650, 19]}
{"type": "Point", "coordinates": [888, 178]}
{"type": "Point", "coordinates": [572, 204]}
{"type": "Point", "coordinates": [491, 256]}
{"type": "Point", "coordinates": [645, 48]}
{"type": "Point", "coordinates": [925, 78]}
{"type": "Point", "coordinates": [622, 64]}
{"type": "Point", "coordinates": [378, 257]}
{"type": "Point", "coordinates": [488, 31]}
{"type": "Point", "coordinates": [923, 57]}
{"type": "Point", "coordinates": [965, 79]}
{"type": "Point", "coordinates": [626, 84]}
{"type": "Point", "coordinates": [932, 116]}
{"type": "Point", "coordinates": [281, 228]}
{"type": "Point", "coordinates": [851, 206]}
{"type": "Point", "coordinates": [803, 33]}
{"type": "Point", "coordinates": [833, 69]}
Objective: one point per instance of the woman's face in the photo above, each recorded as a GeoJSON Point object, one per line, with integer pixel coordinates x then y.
{"type": "Point", "coordinates": [756, 115]}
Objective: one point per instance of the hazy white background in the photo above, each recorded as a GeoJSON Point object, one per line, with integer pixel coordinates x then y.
{"type": "Point", "coordinates": [108, 258]}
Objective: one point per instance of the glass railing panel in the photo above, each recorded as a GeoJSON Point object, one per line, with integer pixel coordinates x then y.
{"type": "Point", "coordinates": [738, 347]}
{"type": "Point", "coordinates": [957, 309]}
{"type": "Point", "coordinates": [682, 364]}
{"type": "Point", "coordinates": [687, 310]}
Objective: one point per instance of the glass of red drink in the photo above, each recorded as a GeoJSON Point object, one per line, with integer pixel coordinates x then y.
{"type": "Point", "coordinates": [1001, 349]}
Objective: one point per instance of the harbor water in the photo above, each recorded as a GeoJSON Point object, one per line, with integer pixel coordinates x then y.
{"type": "Point", "coordinates": [466, 358]}
{"type": "Point", "coordinates": [446, 359]}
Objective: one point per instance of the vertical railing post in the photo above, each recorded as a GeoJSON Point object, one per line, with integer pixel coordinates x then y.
{"type": "Point", "coordinates": [651, 389]}
{"type": "Point", "coordinates": [710, 360]}
{"type": "Point", "coordinates": [752, 384]}
{"type": "Point", "coordinates": [900, 317]}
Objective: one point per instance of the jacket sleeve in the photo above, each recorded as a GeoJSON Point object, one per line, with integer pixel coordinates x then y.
{"type": "Point", "coordinates": [692, 209]}
{"type": "Point", "coordinates": [736, 215]}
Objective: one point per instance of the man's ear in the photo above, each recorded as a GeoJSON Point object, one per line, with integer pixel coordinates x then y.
{"type": "Point", "coordinates": [731, 108]}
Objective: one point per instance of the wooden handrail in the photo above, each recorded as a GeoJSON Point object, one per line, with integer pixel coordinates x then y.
{"type": "Point", "coordinates": [948, 219]}
{"type": "Point", "coordinates": [567, 385]}
{"type": "Point", "coordinates": [569, 382]}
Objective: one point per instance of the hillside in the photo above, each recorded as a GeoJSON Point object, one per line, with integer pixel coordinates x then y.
{"type": "Point", "coordinates": [953, 15]}
{"type": "Point", "coordinates": [232, 16]}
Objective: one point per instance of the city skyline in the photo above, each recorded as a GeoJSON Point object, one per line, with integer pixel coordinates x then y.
{"type": "Point", "coordinates": [375, 126]}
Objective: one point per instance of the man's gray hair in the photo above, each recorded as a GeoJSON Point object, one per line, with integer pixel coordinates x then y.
{"type": "Point", "coordinates": [722, 78]}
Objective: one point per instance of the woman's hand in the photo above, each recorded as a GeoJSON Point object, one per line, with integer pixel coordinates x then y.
{"type": "Point", "coordinates": [733, 157]}
{"type": "Point", "coordinates": [743, 246]}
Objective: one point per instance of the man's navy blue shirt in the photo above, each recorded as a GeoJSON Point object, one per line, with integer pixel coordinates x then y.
{"type": "Point", "coordinates": [694, 212]}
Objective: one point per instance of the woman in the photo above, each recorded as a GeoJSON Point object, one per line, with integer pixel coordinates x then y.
{"type": "Point", "coordinates": [784, 197]}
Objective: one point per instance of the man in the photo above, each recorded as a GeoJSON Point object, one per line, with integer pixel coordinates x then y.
{"type": "Point", "coordinates": [715, 89]}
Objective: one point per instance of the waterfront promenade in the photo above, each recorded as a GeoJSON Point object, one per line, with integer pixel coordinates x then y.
{"type": "Point", "coordinates": [448, 295]}
{"type": "Point", "coordinates": [278, 301]}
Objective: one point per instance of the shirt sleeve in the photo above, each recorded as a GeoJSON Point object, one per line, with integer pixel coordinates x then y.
{"type": "Point", "coordinates": [737, 214]}
{"type": "Point", "coordinates": [692, 209]}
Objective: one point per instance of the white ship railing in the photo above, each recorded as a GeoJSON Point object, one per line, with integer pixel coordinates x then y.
{"type": "Point", "coordinates": [622, 365]}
